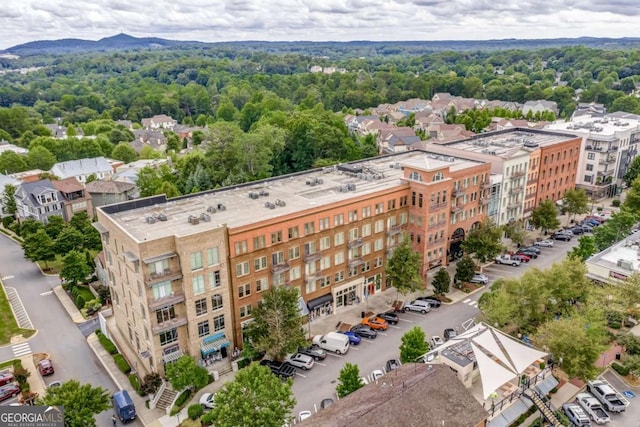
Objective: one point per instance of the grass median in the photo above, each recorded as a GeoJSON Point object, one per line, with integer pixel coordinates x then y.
{"type": "Point", "coordinates": [8, 325]}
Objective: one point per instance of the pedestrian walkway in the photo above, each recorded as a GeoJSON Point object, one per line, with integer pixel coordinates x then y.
{"type": "Point", "coordinates": [20, 350]}
{"type": "Point", "coordinates": [68, 305]}
{"type": "Point", "coordinates": [19, 312]}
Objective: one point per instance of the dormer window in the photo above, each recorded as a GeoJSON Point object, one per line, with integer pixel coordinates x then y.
{"type": "Point", "coordinates": [415, 176]}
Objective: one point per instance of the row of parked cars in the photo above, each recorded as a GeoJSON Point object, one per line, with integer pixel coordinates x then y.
{"type": "Point", "coordinates": [599, 400]}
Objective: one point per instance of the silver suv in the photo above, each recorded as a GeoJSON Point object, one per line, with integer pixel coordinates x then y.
{"type": "Point", "coordinates": [418, 305]}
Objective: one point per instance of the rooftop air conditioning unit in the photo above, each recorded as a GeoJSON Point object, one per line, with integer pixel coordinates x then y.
{"type": "Point", "coordinates": [264, 193]}
{"type": "Point", "coordinates": [319, 180]}
{"type": "Point", "coordinates": [194, 220]}
{"type": "Point", "coordinates": [162, 217]}
{"type": "Point", "coordinates": [211, 209]}
{"type": "Point", "coordinates": [150, 220]}
{"type": "Point", "coordinates": [205, 217]}
{"type": "Point", "coordinates": [625, 263]}
{"type": "Point", "coordinates": [221, 207]}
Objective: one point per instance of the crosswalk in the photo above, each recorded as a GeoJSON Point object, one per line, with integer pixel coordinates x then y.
{"type": "Point", "coordinates": [470, 302]}
{"type": "Point", "coordinates": [20, 350]}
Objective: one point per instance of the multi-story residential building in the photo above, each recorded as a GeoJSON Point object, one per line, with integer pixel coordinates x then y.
{"type": "Point", "coordinates": [186, 268]}
{"type": "Point", "coordinates": [82, 169]}
{"type": "Point", "coordinates": [534, 165]}
{"type": "Point", "coordinates": [38, 200]}
{"type": "Point", "coordinates": [609, 144]}
{"type": "Point", "coordinates": [74, 198]}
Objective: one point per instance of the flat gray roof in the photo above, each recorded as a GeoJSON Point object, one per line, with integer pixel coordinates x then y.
{"type": "Point", "coordinates": [298, 192]}
{"type": "Point", "coordinates": [627, 251]}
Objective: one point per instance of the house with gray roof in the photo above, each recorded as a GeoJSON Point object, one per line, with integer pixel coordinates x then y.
{"type": "Point", "coordinates": [539, 106]}
{"type": "Point", "coordinates": [83, 168]}
{"type": "Point", "coordinates": [110, 192]}
{"type": "Point", "coordinates": [38, 200]}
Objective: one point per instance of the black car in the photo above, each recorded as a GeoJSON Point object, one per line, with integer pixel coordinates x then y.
{"type": "Point", "coordinates": [433, 301]}
{"type": "Point", "coordinates": [316, 352]}
{"type": "Point", "coordinates": [577, 230]}
{"type": "Point", "coordinates": [364, 331]}
{"type": "Point", "coordinates": [561, 236]}
{"type": "Point", "coordinates": [389, 316]}
{"type": "Point", "coordinates": [527, 252]}
{"type": "Point", "coordinates": [392, 365]}
{"type": "Point", "coordinates": [280, 369]}
{"type": "Point", "coordinates": [532, 248]}
{"type": "Point", "coordinates": [449, 333]}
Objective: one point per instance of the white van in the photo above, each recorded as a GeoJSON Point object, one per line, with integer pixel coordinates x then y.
{"type": "Point", "coordinates": [332, 341]}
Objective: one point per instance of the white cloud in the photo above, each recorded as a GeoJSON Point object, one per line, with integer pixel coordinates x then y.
{"type": "Point", "coordinates": [319, 20]}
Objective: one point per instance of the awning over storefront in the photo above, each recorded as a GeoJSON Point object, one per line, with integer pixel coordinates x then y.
{"type": "Point", "coordinates": [214, 343]}
{"type": "Point", "coordinates": [317, 302]}
{"type": "Point", "coordinates": [173, 356]}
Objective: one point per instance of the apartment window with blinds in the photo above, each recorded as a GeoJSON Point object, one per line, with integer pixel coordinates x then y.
{"type": "Point", "coordinates": [213, 258]}
{"type": "Point", "coordinates": [258, 242]}
{"type": "Point", "coordinates": [198, 284]}
{"type": "Point", "coordinates": [379, 226]}
{"type": "Point", "coordinates": [262, 284]}
{"type": "Point", "coordinates": [353, 215]}
{"type": "Point", "coordinates": [216, 302]}
{"type": "Point", "coordinates": [309, 228]}
{"type": "Point", "coordinates": [338, 258]}
{"type": "Point", "coordinates": [242, 269]}
{"type": "Point", "coordinates": [324, 223]}
{"type": "Point", "coordinates": [294, 252]}
{"type": "Point", "coordinates": [201, 307]}
{"type": "Point", "coordinates": [218, 323]}
{"type": "Point", "coordinates": [379, 208]}
{"type": "Point", "coordinates": [260, 263]}
{"type": "Point", "coordinates": [338, 220]}
{"type": "Point", "coordinates": [293, 232]}
{"type": "Point", "coordinates": [240, 247]}
{"type": "Point", "coordinates": [338, 239]}
{"type": "Point", "coordinates": [366, 212]}
{"type": "Point", "coordinates": [196, 260]}
{"type": "Point", "coordinates": [244, 290]}
{"type": "Point", "coordinates": [276, 237]}
{"type": "Point", "coordinates": [214, 279]}
{"type": "Point", "coordinates": [325, 243]}
{"type": "Point", "coordinates": [203, 328]}
{"type": "Point", "coordinates": [245, 311]}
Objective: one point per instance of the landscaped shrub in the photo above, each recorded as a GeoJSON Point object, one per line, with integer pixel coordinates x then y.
{"type": "Point", "coordinates": [121, 363]}
{"type": "Point", "coordinates": [151, 383]}
{"type": "Point", "coordinates": [624, 371]}
{"type": "Point", "coordinates": [21, 375]}
{"type": "Point", "coordinates": [243, 363]}
{"type": "Point", "coordinates": [180, 401]}
{"type": "Point", "coordinates": [80, 302]}
{"type": "Point", "coordinates": [615, 203]}
{"type": "Point", "coordinates": [194, 411]}
{"type": "Point", "coordinates": [207, 419]}
{"type": "Point", "coordinates": [135, 382]}
{"type": "Point", "coordinates": [106, 343]}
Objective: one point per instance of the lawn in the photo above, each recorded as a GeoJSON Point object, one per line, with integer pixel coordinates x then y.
{"type": "Point", "coordinates": [8, 325]}
{"type": "Point", "coordinates": [54, 267]}
{"type": "Point", "coordinates": [85, 292]}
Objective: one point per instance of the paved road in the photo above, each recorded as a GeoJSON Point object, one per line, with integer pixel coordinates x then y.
{"type": "Point", "coordinates": [57, 334]}
{"type": "Point", "coordinates": [320, 382]}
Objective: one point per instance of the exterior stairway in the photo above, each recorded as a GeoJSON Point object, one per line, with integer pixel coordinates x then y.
{"type": "Point", "coordinates": [544, 408]}
{"type": "Point", "coordinates": [166, 399]}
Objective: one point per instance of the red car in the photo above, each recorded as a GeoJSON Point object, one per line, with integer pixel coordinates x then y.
{"type": "Point", "coordinates": [8, 391]}
{"type": "Point", "coordinates": [45, 367]}
{"type": "Point", "coordinates": [521, 257]}
{"type": "Point", "coordinates": [6, 378]}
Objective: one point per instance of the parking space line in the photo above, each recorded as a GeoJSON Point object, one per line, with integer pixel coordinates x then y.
{"type": "Point", "coordinates": [335, 355]}
{"type": "Point", "coordinates": [394, 326]}
{"type": "Point", "coordinates": [406, 320]}
{"type": "Point", "coordinates": [383, 333]}
{"type": "Point", "coordinates": [367, 340]}
{"type": "Point", "coordinates": [321, 364]}
{"type": "Point", "coordinates": [299, 374]}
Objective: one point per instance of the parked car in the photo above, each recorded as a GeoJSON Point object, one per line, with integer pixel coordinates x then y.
{"type": "Point", "coordinates": [354, 339]}
{"type": "Point", "coordinates": [433, 301]}
{"type": "Point", "coordinates": [532, 248]}
{"type": "Point", "coordinates": [592, 407]}
{"type": "Point", "coordinates": [610, 398]}
{"type": "Point", "coordinates": [45, 367]}
{"type": "Point", "coordinates": [508, 260]}
{"type": "Point", "coordinates": [54, 384]}
{"type": "Point", "coordinates": [449, 333]}
{"type": "Point", "coordinates": [521, 257]}
{"type": "Point", "coordinates": [527, 252]}
{"type": "Point", "coordinates": [6, 378]}
{"type": "Point", "coordinates": [544, 243]}
{"type": "Point", "coordinates": [561, 236]}
{"type": "Point", "coordinates": [566, 231]}
{"type": "Point", "coordinates": [376, 374]}
{"type": "Point", "coordinates": [303, 415]}
{"type": "Point", "coordinates": [207, 400]}
{"type": "Point", "coordinates": [301, 361]}
{"type": "Point", "coordinates": [325, 403]}
{"type": "Point", "coordinates": [576, 230]}
{"type": "Point", "coordinates": [418, 305]}
{"type": "Point", "coordinates": [436, 341]}
{"type": "Point", "coordinates": [585, 228]}
{"type": "Point", "coordinates": [280, 369]}
{"type": "Point", "coordinates": [480, 278]}
{"type": "Point", "coordinates": [314, 351]}
{"type": "Point", "coordinates": [8, 391]}
{"type": "Point", "coordinates": [376, 323]}
{"type": "Point", "coordinates": [576, 415]}
{"type": "Point", "coordinates": [596, 218]}
{"type": "Point", "coordinates": [389, 316]}
{"type": "Point", "coordinates": [392, 364]}
{"type": "Point", "coordinates": [364, 331]}
{"type": "Point", "coordinates": [590, 222]}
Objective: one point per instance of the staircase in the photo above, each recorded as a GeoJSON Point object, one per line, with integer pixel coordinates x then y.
{"type": "Point", "coordinates": [543, 407]}
{"type": "Point", "coordinates": [166, 399]}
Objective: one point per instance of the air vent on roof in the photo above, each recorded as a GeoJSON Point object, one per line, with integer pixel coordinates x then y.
{"type": "Point", "coordinates": [221, 207]}
{"type": "Point", "coordinates": [351, 187]}
{"type": "Point", "coordinates": [280, 203]}
{"type": "Point", "coordinates": [194, 220]}
{"type": "Point", "coordinates": [162, 217]}
{"type": "Point", "coordinates": [205, 217]}
{"type": "Point", "coordinates": [625, 263]}
{"type": "Point", "coordinates": [264, 193]}
{"type": "Point", "coordinates": [211, 209]}
{"type": "Point", "coordinates": [397, 166]}
{"type": "Point", "coordinates": [319, 180]}
{"type": "Point", "coordinates": [253, 195]}
{"type": "Point", "coordinates": [150, 220]}
{"type": "Point", "coordinates": [269, 205]}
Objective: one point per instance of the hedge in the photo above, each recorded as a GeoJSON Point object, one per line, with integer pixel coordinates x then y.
{"type": "Point", "coordinates": [194, 411]}
{"type": "Point", "coordinates": [106, 343]}
{"type": "Point", "coordinates": [122, 363]}
{"type": "Point", "coordinates": [622, 370]}
{"type": "Point", "coordinates": [135, 382]}
{"type": "Point", "coordinates": [207, 419]}
{"type": "Point", "coordinates": [180, 401]}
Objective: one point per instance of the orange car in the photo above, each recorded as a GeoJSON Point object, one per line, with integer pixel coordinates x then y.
{"type": "Point", "coordinates": [377, 323]}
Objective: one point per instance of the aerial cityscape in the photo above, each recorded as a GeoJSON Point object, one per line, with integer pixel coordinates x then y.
{"type": "Point", "coordinates": [320, 214]}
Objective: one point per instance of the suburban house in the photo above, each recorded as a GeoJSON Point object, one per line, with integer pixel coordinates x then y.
{"type": "Point", "coordinates": [6, 146]}
{"type": "Point", "coordinates": [38, 200]}
{"type": "Point", "coordinates": [74, 198]}
{"type": "Point", "coordinates": [153, 138]}
{"type": "Point", "coordinates": [4, 181]}
{"type": "Point", "coordinates": [83, 168]}
{"type": "Point", "coordinates": [160, 121]}
{"type": "Point", "coordinates": [539, 106]}
{"type": "Point", "coordinates": [415, 394]}
{"type": "Point", "coordinates": [109, 192]}
{"type": "Point", "coordinates": [129, 172]}
{"type": "Point", "coordinates": [592, 109]}
{"type": "Point", "coordinates": [60, 132]}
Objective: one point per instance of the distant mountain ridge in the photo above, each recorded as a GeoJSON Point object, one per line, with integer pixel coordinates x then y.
{"type": "Point", "coordinates": [121, 42]}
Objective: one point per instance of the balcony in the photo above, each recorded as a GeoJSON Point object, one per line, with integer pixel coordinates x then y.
{"type": "Point", "coordinates": [605, 173]}
{"type": "Point", "coordinates": [312, 277]}
{"type": "Point", "coordinates": [316, 256]}
{"type": "Point", "coordinates": [530, 196]}
{"type": "Point", "coordinates": [437, 242]}
{"type": "Point", "coordinates": [457, 208]}
{"type": "Point", "coordinates": [172, 299]}
{"type": "Point", "coordinates": [457, 192]}
{"type": "Point", "coordinates": [612, 149]}
{"type": "Point", "coordinates": [485, 185]}
{"type": "Point", "coordinates": [356, 262]}
{"type": "Point", "coordinates": [280, 267]}
{"type": "Point", "coordinates": [518, 174]}
{"type": "Point", "coordinates": [516, 190]}
{"type": "Point", "coordinates": [169, 324]}
{"type": "Point", "coordinates": [484, 200]}
{"type": "Point", "coordinates": [355, 242]}
{"type": "Point", "coordinates": [531, 182]}
{"type": "Point", "coordinates": [514, 205]}
{"type": "Point", "coordinates": [164, 276]}
{"type": "Point", "coordinates": [437, 206]}
{"type": "Point", "coordinates": [607, 161]}
{"type": "Point", "coordinates": [394, 229]}
{"type": "Point", "coordinates": [436, 225]}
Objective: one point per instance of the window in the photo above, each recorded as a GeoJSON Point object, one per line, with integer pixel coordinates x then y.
{"type": "Point", "coordinates": [404, 201]}
{"type": "Point", "coordinates": [203, 329]}
{"type": "Point", "coordinates": [391, 204]}
{"type": "Point", "coordinates": [377, 262]}
{"type": "Point", "coordinates": [196, 260]}
{"type": "Point", "coordinates": [591, 156]}
{"type": "Point", "coordinates": [277, 258]}
{"type": "Point", "coordinates": [378, 244]}
{"type": "Point", "coordinates": [325, 281]}
{"type": "Point", "coordinates": [366, 230]}
{"type": "Point", "coordinates": [338, 239]}
{"type": "Point", "coordinates": [214, 279]}
{"type": "Point", "coordinates": [587, 178]}
{"type": "Point", "coordinates": [293, 232]}
{"type": "Point", "coordinates": [168, 337]}
{"type": "Point", "coordinates": [589, 167]}
{"type": "Point", "coordinates": [413, 198]}
{"type": "Point", "coordinates": [158, 268]}
{"type": "Point", "coordinates": [325, 263]}
{"type": "Point", "coordinates": [339, 277]}
{"type": "Point", "coordinates": [353, 215]}
{"type": "Point", "coordinates": [379, 226]}
{"type": "Point", "coordinates": [403, 218]}
{"type": "Point", "coordinates": [310, 248]}
{"type": "Point", "coordinates": [309, 228]}
{"type": "Point", "coordinates": [295, 273]}
{"type": "Point", "coordinates": [366, 212]}
{"type": "Point", "coordinates": [310, 287]}
{"type": "Point", "coordinates": [216, 302]}
{"type": "Point", "coordinates": [244, 290]}
{"type": "Point", "coordinates": [354, 233]}
{"type": "Point", "coordinates": [419, 200]}
{"type": "Point", "coordinates": [198, 284]}
{"type": "Point", "coordinates": [262, 284]}
{"type": "Point", "coordinates": [324, 223]}
{"type": "Point", "coordinates": [245, 311]}
{"type": "Point", "coordinates": [338, 258]}
{"type": "Point", "coordinates": [415, 176]}
{"type": "Point", "coordinates": [260, 263]}
{"type": "Point", "coordinates": [201, 307]}
{"type": "Point", "coordinates": [276, 237]}
{"type": "Point", "coordinates": [213, 257]}
{"type": "Point", "coordinates": [242, 269]}
{"type": "Point", "coordinates": [218, 323]}
{"type": "Point", "coordinates": [278, 279]}
{"type": "Point", "coordinates": [240, 247]}
{"type": "Point", "coordinates": [379, 208]}
{"type": "Point", "coordinates": [325, 243]}
{"type": "Point", "coordinates": [294, 252]}
{"type": "Point", "coordinates": [366, 248]}
{"type": "Point", "coordinates": [258, 242]}
{"type": "Point", "coordinates": [165, 314]}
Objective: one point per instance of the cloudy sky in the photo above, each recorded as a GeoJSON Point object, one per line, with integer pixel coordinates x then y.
{"type": "Point", "coordinates": [317, 20]}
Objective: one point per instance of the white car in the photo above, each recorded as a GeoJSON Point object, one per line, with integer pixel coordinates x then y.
{"type": "Point", "coordinates": [376, 374]}
{"type": "Point", "coordinates": [436, 341]}
{"type": "Point", "coordinates": [303, 415]}
{"type": "Point", "coordinates": [207, 400]}
{"type": "Point", "coordinates": [301, 361]}
{"type": "Point", "coordinates": [480, 278]}
{"type": "Point", "coordinates": [544, 243]}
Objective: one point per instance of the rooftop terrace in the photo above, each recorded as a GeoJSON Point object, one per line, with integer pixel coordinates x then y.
{"type": "Point", "coordinates": [598, 126]}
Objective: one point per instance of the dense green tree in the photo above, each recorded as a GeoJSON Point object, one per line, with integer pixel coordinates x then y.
{"type": "Point", "coordinates": [632, 172]}
{"type": "Point", "coordinates": [276, 328]}
{"type": "Point", "coordinates": [10, 162]}
{"type": "Point", "coordinates": [441, 281]}
{"type": "Point", "coordinates": [39, 246]}
{"type": "Point", "coordinates": [8, 201]}
{"type": "Point", "coordinates": [632, 198]}
{"type": "Point", "coordinates": [514, 231]}
{"type": "Point", "coordinates": [545, 216]}
{"type": "Point", "coordinates": [40, 158]}
{"type": "Point", "coordinates": [255, 398]}
{"type": "Point", "coordinates": [185, 372]}
{"type": "Point", "coordinates": [465, 269]}
{"type": "Point", "coordinates": [404, 268]}
{"type": "Point", "coordinates": [69, 239]}
{"type": "Point", "coordinates": [484, 242]}
{"type": "Point", "coordinates": [414, 344]}
{"type": "Point", "coordinates": [55, 225]}
{"type": "Point", "coordinates": [74, 267]}
{"type": "Point", "coordinates": [124, 152]}
{"type": "Point", "coordinates": [575, 202]}
{"type": "Point", "coordinates": [30, 226]}
{"type": "Point", "coordinates": [82, 402]}
{"type": "Point", "coordinates": [586, 247]}
{"type": "Point", "coordinates": [615, 229]}
{"type": "Point", "coordinates": [147, 152]}
{"type": "Point", "coordinates": [348, 380]}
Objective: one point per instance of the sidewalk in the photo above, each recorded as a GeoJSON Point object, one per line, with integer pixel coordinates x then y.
{"type": "Point", "coordinates": [68, 305]}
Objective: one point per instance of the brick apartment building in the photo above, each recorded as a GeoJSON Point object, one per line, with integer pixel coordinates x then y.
{"type": "Point", "coordinates": [186, 272]}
